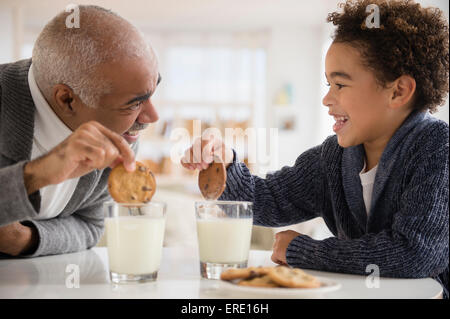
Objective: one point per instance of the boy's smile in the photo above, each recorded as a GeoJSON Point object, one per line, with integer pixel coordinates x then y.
{"type": "Point", "coordinates": [354, 99]}
{"type": "Point", "coordinates": [364, 111]}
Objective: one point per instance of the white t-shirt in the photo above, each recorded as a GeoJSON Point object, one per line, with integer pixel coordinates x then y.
{"type": "Point", "coordinates": [49, 131]}
{"type": "Point", "coordinates": [367, 180]}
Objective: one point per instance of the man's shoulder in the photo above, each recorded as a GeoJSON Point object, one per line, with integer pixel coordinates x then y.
{"type": "Point", "coordinates": [14, 68]}
{"type": "Point", "coordinates": [4, 66]}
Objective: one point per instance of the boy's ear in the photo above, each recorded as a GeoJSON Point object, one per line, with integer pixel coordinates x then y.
{"type": "Point", "coordinates": [403, 91]}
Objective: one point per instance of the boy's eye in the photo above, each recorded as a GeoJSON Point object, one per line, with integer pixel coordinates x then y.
{"type": "Point", "coordinates": [340, 86]}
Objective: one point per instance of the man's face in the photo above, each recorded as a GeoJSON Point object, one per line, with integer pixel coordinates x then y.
{"type": "Point", "coordinates": [128, 108]}
{"type": "Point", "coordinates": [356, 101]}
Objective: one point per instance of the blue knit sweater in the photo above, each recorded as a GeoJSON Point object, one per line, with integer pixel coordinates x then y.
{"type": "Point", "coordinates": [406, 234]}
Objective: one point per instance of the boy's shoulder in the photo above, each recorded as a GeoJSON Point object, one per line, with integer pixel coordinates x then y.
{"type": "Point", "coordinates": [431, 133]}
{"type": "Point", "coordinates": [428, 140]}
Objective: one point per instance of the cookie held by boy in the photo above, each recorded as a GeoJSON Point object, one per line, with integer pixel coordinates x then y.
{"type": "Point", "coordinates": [212, 181]}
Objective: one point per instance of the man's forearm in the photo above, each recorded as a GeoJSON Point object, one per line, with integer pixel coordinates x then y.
{"type": "Point", "coordinates": [32, 180]}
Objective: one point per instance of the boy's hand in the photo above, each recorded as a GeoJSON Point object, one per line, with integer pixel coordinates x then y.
{"type": "Point", "coordinates": [282, 240]}
{"type": "Point", "coordinates": [203, 152]}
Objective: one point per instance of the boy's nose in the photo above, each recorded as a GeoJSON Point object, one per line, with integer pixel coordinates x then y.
{"type": "Point", "coordinates": [148, 113]}
{"type": "Point", "coordinates": [327, 100]}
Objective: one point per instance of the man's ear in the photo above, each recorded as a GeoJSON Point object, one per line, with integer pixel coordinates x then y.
{"type": "Point", "coordinates": [64, 96]}
{"type": "Point", "coordinates": [403, 90]}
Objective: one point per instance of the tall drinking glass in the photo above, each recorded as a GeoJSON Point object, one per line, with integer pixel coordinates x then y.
{"type": "Point", "coordinates": [224, 230]}
{"type": "Point", "coordinates": [134, 236]}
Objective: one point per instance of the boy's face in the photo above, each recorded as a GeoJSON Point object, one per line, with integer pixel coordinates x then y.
{"type": "Point", "coordinates": [358, 104]}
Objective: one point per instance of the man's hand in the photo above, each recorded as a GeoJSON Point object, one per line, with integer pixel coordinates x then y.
{"type": "Point", "coordinates": [16, 239]}
{"type": "Point", "coordinates": [91, 146]}
{"type": "Point", "coordinates": [204, 151]}
{"type": "Point", "coordinates": [282, 240]}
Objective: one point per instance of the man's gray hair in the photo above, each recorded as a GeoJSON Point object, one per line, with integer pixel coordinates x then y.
{"type": "Point", "coordinates": [71, 56]}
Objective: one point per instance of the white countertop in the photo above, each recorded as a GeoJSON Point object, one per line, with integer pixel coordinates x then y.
{"type": "Point", "coordinates": [178, 278]}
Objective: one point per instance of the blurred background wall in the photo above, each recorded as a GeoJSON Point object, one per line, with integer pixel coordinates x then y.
{"type": "Point", "coordinates": [227, 64]}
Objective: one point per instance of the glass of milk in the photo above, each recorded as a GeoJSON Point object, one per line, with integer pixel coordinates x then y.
{"type": "Point", "coordinates": [224, 230]}
{"type": "Point", "coordinates": [134, 237]}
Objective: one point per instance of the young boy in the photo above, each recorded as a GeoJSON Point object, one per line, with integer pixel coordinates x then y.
{"type": "Point", "coordinates": [381, 183]}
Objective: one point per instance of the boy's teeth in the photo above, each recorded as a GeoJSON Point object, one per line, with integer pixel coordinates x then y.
{"type": "Point", "coordinates": [340, 118]}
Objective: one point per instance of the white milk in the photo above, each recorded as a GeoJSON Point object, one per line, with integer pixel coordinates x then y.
{"type": "Point", "coordinates": [225, 241]}
{"type": "Point", "coordinates": [134, 244]}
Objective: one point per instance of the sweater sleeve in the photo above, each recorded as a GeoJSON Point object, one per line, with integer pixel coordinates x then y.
{"type": "Point", "coordinates": [415, 246]}
{"type": "Point", "coordinates": [79, 231]}
{"type": "Point", "coordinates": [15, 204]}
{"type": "Point", "coordinates": [286, 197]}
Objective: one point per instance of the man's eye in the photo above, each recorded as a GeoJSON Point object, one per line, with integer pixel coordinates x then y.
{"type": "Point", "coordinates": [135, 106]}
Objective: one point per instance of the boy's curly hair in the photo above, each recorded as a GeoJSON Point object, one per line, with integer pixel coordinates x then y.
{"type": "Point", "coordinates": [410, 40]}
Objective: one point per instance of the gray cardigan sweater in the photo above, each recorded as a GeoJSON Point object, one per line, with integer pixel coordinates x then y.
{"type": "Point", "coordinates": [406, 234]}
{"type": "Point", "coordinates": [80, 224]}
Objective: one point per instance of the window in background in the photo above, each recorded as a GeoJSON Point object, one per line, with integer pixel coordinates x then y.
{"type": "Point", "coordinates": [215, 86]}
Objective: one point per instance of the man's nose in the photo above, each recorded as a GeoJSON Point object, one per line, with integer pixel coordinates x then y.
{"type": "Point", "coordinates": [148, 113]}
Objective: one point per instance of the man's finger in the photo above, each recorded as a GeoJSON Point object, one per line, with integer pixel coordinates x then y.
{"type": "Point", "coordinates": [111, 153]}
{"type": "Point", "coordinates": [89, 154]}
{"type": "Point", "coordinates": [116, 162]}
{"type": "Point", "coordinates": [124, 149]}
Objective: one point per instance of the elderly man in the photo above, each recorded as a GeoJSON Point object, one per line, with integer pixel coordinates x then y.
{"type": "Point", "coordinates": [66, 117]}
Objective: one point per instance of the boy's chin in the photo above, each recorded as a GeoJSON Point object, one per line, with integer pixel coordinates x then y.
{"type": "Point", "coordinates": [345, 142]}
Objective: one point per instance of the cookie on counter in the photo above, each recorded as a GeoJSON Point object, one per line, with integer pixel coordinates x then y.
{"type": "Point", "coordinates": [292, 278]}
{"type": "Point", "coordinates": [263, 281]}
{"type": "Point", "coordinates": [243, 273]}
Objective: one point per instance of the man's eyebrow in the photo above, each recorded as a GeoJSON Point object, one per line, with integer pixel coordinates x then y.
{"type": "Point", "coordinates": [340, 74]}
{"type": "Point", "coordinates": [144, 97]}
{"type": "Point", "coordinates": [139, 98]}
